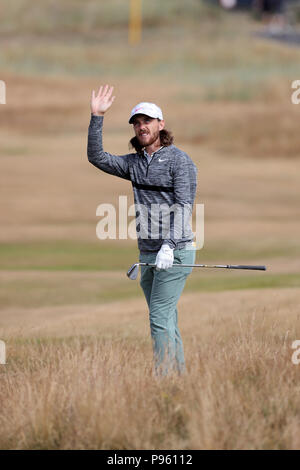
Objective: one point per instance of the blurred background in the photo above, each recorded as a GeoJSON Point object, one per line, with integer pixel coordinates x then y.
{"type": "Point", "coordinates": [221, 73]}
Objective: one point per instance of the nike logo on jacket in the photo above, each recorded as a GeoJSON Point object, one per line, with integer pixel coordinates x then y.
{"type": "Point", "coordinates": [170, 178]}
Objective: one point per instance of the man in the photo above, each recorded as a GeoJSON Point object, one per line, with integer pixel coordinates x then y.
{"type": "Point", "coordinates": [162, 176]}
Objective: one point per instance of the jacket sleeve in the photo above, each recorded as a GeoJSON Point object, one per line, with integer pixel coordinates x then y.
{"type": "Point", "coordinates": [117, 165]}
{"type": "Point", "coordinates": [185, 185]}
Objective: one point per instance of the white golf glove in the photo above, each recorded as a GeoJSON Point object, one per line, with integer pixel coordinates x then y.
{"type": "Point", "coordinates": [164, 258]}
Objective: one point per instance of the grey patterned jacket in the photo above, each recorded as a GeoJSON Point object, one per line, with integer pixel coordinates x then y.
{"type": "Point", "coordinates": [164, 189]}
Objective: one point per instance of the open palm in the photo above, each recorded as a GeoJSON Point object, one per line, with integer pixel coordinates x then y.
{"type": "Point", "coordinates": [101, 102]}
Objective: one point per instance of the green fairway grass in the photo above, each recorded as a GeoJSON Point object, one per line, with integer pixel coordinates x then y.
{"type": "Point", "coordinates": [97, 288]}
{"type": "Point", "coordinates": [110, 256]}
{"type": "Point", "coordinates": [66, 255]}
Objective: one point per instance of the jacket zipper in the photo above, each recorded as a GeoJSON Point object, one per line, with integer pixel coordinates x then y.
{"type": "Point", "coordinates": [148, 164]}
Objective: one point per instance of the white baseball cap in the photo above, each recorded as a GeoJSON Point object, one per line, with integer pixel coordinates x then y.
{"type": "Point", "coordinates": [149, 109]}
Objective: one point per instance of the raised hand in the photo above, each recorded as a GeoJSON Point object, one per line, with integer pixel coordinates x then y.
{"type": "Point", "coordinates": [101, 102]}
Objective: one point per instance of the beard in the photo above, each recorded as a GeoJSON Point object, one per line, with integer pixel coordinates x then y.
{"type": "Point", "coordinates": [149, 140]}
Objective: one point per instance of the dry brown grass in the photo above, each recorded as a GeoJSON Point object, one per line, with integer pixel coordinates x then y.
{"type": "Point", "coordinates": [84, 379]}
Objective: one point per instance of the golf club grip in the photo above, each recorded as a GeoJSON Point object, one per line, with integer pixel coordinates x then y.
{"type": "Point", "coordinates": [241, 266]}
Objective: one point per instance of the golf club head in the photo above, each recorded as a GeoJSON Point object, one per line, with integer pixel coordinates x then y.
{"type": "Point", "coordinates": [133, 271]}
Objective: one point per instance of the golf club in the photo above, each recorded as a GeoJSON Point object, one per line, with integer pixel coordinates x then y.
{"type": "Point", "coordinates": [133, 271]}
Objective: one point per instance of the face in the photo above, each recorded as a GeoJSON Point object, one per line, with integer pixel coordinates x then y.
{"type": "Point", "coordinates": [147, 129]}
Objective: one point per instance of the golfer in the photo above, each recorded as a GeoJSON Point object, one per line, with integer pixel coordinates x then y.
{"type": "Point", "coordinates": [161, 176]}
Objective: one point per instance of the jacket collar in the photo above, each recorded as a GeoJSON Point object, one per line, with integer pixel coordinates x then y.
{"type": "Point", "coordinates": [145, 153]}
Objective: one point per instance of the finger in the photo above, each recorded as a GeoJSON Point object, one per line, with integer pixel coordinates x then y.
{"type": "Point", "coordinates": [110, 102]}
{"type": "Point", "coordinates": [110, 92]}
{"type": "Point", "coordinates": [105, 89]}
{"type": "Point", "coordinates": [93, 94]}
{"type": "Point", "coordinates": [99, 92]}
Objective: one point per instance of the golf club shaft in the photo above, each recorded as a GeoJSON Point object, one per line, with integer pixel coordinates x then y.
{"type": "Point", "coordinates": [225, 266]}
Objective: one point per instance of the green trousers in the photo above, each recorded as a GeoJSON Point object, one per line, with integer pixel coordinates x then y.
{"type": "Point", "coordinates": [162, 290]}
